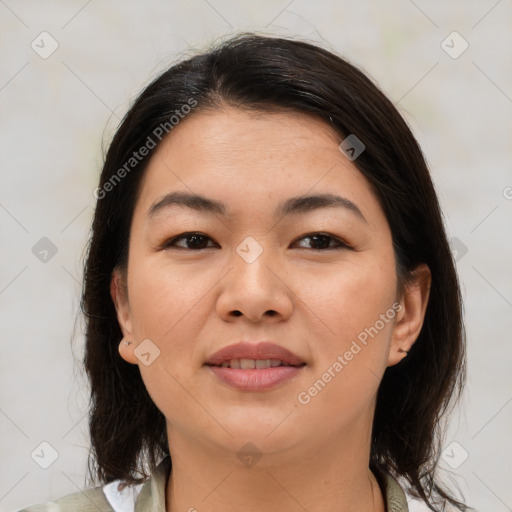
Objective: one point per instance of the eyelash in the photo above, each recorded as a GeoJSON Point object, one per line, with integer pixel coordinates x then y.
{"type": "Point", "coordinates": [168, 244]}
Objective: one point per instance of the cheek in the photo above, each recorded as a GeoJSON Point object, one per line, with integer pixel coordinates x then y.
{"type": "Point", "coordinates": [353, 297]}
{"type": "Point", "coordinates": [356, 305]}
{"type": "Point", "coordinates": [161, 298]}
{"type": "Point", "coordinates": [167, 308]}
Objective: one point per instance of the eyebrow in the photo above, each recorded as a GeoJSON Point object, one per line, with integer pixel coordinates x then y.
{"type": "Point", "coordinates": [292, 206]}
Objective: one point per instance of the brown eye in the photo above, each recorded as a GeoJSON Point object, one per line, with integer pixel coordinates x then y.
{"type": "Point", "coordinates": [193, 241]}
{"type": "Point", "coordinates": [323, 241]}
{"type": "Point", "coordinates": [197, 241]}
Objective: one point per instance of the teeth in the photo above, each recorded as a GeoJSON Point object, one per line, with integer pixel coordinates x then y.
{"type": "Point", "coordinates": [247, 364]}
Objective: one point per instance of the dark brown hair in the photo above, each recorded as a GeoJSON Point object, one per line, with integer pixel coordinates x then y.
{"type": "Point", "coordinates": [261, 73]}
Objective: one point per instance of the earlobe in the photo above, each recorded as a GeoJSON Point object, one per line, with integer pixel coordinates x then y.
{"type": "Point", "coordinates": [410, 318]}
{"type": "Point", "coordinates": [119, 294]}
{"type": "Point", "coordinates": [126, 351]}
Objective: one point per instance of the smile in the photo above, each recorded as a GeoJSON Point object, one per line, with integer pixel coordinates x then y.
{"type": "Point", "coordinates": [255, 374]}
{"type": "Point", "coordinates": [248, 364]}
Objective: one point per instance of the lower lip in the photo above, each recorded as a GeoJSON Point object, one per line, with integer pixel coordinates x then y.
{"type": "Point", "coordinates": [255, 379]}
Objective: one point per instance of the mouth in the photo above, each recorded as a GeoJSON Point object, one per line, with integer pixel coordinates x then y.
{"type": "Point", "coordinates": [254, 367]}
{"type": "Point", "coordinates": [254, 364]}
{"type": "Point", "coordinates": [247, 355]}
{"type": "Point", "coordinates": [255, 379]}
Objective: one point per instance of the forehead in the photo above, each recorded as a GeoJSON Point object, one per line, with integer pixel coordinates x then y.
{"type": "Point", "coordinates": [237, 134]}
{"type": "Point", "coordinates": [248, 140]}
{"type": "Point", "coordinates": [248, 159]}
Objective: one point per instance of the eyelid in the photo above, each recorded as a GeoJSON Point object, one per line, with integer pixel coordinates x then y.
{"type": "Point", "coordinates": [166, 244]}
{"type": "Point", "coordinates": [340, 242]}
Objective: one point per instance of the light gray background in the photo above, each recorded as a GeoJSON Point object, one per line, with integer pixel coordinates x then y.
{"type": "Point", "coordinates": [55, 111]}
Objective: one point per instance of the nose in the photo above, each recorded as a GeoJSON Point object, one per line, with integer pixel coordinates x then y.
{"type": "Point", "coordinates": [255, 289]}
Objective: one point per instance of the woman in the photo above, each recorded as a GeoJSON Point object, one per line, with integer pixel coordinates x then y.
{"type": "Point", "coordinates": [272, 307]}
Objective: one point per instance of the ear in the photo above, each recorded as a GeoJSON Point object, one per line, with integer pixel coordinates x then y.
{"type": "Point", "coordinates": [410, 316]}
{"type": "Point", "coordinates": [119, 294]}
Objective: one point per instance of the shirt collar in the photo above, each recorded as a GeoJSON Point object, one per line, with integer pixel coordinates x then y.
{"type": "Point", "coordinates": [394, 495]}
{"type": "Point", "coordinates": [152, 495]}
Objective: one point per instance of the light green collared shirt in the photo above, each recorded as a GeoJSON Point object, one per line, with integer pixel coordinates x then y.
{"type": "Point", "coordinates": [150, 496]}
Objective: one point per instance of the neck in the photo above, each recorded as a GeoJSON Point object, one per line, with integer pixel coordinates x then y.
{"type": "Point", "coordinates": [326, 476]}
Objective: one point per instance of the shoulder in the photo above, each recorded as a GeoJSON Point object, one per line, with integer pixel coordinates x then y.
{"type": "Point", "coordinates": [89, 500]}
{"type": "Point", "coordinates": [112, 497]}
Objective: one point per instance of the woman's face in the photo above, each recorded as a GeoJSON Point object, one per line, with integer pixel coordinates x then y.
{"type": "Point", "coordinates": [318, 280]}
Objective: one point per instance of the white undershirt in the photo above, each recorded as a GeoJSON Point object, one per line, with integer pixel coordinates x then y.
{"type": "Point", "coordinates": [122, 501]}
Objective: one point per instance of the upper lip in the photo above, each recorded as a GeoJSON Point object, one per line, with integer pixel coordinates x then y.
{"type": "Point", "coordinates": [248, 350]}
